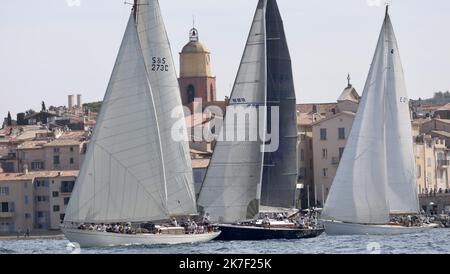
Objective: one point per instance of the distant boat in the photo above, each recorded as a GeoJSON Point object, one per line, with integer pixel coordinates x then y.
{"type": "Point", "coordinates": [134, 172]}
{"type": "Point", "coordinates": [242, 175]}
{"type": "Point", "coordinates": [376, 177]}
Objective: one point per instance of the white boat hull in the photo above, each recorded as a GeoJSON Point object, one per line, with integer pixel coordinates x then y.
{"type": "Point", "coordinates": [340, 228]}
{"type": "Point", "coordinates": [104, 239]}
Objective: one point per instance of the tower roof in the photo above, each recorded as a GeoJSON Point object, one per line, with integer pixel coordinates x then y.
{"type": "Point", "coordinates": [194, 45]}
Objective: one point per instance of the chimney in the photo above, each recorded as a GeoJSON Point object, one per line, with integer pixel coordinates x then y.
{"type": "Point", "coordinates": [71, 102]}
{"type": "Point", "coordinates": [79, 102]}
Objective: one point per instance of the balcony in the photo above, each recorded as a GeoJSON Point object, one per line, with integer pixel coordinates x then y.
{"type": "Point", "coordinates": [6, 215]}
{"type": "Point", "coordinates": [443, 163]}
{"type": "Point", "coordinates": [335, 161]}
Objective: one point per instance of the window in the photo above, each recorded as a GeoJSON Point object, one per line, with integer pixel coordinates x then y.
{"type": "Point", "coordinates": [4, 191]}
{"type": "Point", "coordinates": [56, 160]}
{"type": "Point", "coordinates": [323, 134]}
{"type": "Point", "coordinates": [55, 194]}
{"type": "Point", "coordinates": [27, 215]}
{"type": "Point", "coordinates": [40, 214]}
{"type": "Point", "coordinates": [5, 207]}
{"type": "Point", "coordinates": [429, 162]}
{"type": "Point", "coordinates": [341, 133]}
{"type": "Point", "coordinates": [211, 93]}
{"type": "Point", "coordinates": [37, 165]}
{"type": "Point", "coordinates": [26, 199]}
{"type": "Point", "coordinates": [56, 208]}
{"type": "Point", "coordinates": [419, 171]}
{"type": "Point", "coordinates": [324, 153]}
{"type": "Point", "coordinates": [190, 94]}
{"type": "Point", "coordinates": [341, 152]}
{"type": "Point", "coordinates": [61, 217]}
{"type": "Point", "coordinates": [67, 186]}
{"type": "Point", "coordinates": [71, 161]}
{"type": "Point", "coordinates": [71, 149]}
{"type": "Point", "coordinates": [56, 150]}
{"type": "Point", "coordinates": [66, 200]}
{"type": "Point", "coordinates": [302, 155]}
{"type": "Point", "coordinates": [325, 172]}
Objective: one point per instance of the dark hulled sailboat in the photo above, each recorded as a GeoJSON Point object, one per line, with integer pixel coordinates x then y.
{"type": "Point", "coordinates": [246, 174]}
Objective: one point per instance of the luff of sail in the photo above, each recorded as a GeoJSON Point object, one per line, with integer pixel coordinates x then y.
{"type": "Point", "coordinates": [401, 172]}
{"type": "Point", "coordinates": [180, 192]}
{"type": "Point", "coordinates": [280, 167]}
{"type": "Point", "coordinates": [121, 179]}
{"type": "Point", "coordinates": [359, 190]}
{"type": "Point", "coordinates": [231, 189]}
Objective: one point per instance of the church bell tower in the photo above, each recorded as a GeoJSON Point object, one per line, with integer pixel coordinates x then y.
{"type": "Point", "coordinates": [196, 80]}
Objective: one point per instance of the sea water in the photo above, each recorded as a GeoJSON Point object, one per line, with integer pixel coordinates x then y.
{"type": "Point", "coordinates": [436, 241]}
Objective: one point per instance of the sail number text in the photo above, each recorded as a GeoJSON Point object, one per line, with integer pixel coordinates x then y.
{"type": "Point", "coordinates": [159, 64]}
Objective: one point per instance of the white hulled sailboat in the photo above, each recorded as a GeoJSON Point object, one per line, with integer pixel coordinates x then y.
{"type": "Point", "coordinates": [376, 177]}
{"type": "Point", "coordinates": [134, 171]}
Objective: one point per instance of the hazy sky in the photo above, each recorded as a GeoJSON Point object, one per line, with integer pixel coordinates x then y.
{"type": "Point", "coordinates": [49, 49]}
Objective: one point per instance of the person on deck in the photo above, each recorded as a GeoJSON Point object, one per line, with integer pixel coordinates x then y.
{"type": "Point", "coordinates": [174, 222]}
{"type": "Point", "coordinates": [266, 220]}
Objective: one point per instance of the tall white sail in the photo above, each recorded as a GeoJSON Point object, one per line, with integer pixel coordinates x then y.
{"type": "Point", "coordinates": [122, 176]}
{"type": "Point", "coordinates": [358, 193]}
{"type": "Point", "coordinates": [232, 186]}
{"type": "Point", "coordinates": [401, 175]}
{"type": "Point", "coordinates": [167, 103]}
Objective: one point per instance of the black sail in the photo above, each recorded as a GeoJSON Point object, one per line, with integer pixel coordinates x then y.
{"type": "Point", "coordinates": [280, 167]}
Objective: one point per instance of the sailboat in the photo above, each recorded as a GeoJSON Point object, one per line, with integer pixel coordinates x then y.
{"type": "Point", "coordinates": [243, 175]}
{"type": "Point", "coordinates": [376, 176]}
{"type": "Point", "coordinates": [134, 172]}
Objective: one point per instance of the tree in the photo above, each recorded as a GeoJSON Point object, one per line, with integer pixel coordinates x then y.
{"type": "Point", "coordinates": [9, 119]}
{"type": "Point", "coordinates": [43, 106]}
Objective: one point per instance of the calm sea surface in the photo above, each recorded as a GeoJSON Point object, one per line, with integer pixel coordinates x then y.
{"type": "Point", "coordinates": [436, 241]}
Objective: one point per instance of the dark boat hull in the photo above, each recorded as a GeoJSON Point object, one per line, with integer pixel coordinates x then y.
{"type": "Point", "coordinates": [253, 233]}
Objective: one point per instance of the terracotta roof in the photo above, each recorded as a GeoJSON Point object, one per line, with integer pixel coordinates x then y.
{"type": "Point", "coordinates": [63, 142]}
{"type": "Point", "coordinates": [322, 108]}
{"type": "Point", "coordinates": [441, 133]}
{"type": "Point", "coordinates": [39, 174]}
{"type": "Point", "coordinates": [335, 116]}
{"type": "Point", "coordinates": [32, 145]}
{"type": "Point", "coordinates": [200, 163]}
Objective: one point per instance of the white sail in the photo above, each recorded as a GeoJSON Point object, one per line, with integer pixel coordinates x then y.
{"type": "Point", "coordinates": [358, 193]}
{"type": "Point", "coordinates": [401, 178]}
{"type": "Point", "coordinates": [122, 176]}
{"type": "Point", "coordinates": [232, 186]}
{"type": "Point", "coordinates": [167, 102]}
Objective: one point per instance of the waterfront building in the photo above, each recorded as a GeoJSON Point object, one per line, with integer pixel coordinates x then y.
{"type": "Point", "coordinates": [329, 137]}
{"type": "Point", "coordinates": [34, 200]}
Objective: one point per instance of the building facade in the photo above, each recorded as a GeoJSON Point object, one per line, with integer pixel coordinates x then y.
{"type": "Point", "coordinates": [35, 200]}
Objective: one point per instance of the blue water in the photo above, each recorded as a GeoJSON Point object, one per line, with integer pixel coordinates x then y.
{"type": "Point", "coordinates": [436, 241]}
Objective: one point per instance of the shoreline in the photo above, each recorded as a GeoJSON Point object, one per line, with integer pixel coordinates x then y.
{"type": "Point", "coordinates": [36, 235]}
